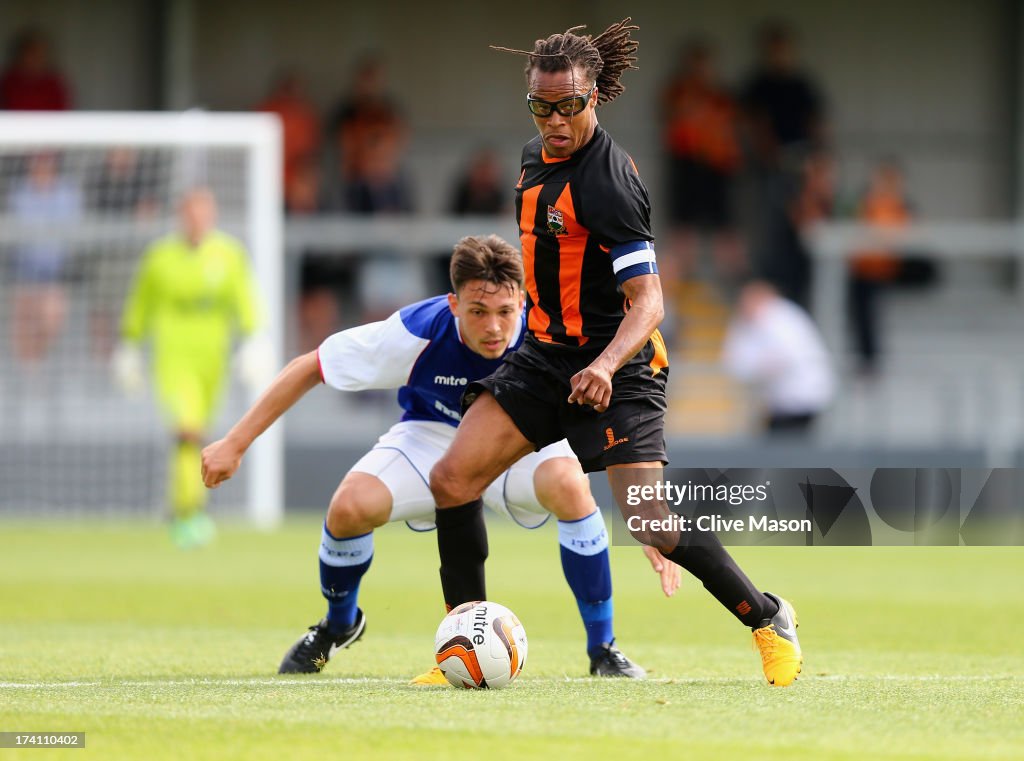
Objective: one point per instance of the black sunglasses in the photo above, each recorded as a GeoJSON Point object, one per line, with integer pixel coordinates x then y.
{"type": "Point", "coordinates": [566, 106]}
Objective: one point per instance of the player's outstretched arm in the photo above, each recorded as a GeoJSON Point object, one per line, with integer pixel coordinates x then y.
{"type": "Point", "coordinates": [593, 384]}
{"type": "Point", "coordinates": [222, 458]}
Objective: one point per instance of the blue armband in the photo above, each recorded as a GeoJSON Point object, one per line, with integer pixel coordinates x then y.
{"type": "Point", "coordinates": [632, 259]}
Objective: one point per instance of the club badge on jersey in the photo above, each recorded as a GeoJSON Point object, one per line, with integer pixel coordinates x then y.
{"type": "Point", "coordinates": [556, 223]}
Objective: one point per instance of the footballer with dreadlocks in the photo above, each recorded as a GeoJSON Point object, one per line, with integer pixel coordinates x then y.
{"type": "Point", "coordinates": [593, 366]}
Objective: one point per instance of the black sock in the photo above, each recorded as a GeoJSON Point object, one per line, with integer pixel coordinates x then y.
{"type": "Point", "coordinates": [706, 558]}
{"type": "Point", "coordinates": [462, 545]}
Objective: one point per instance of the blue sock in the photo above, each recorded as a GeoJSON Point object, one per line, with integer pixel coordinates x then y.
{"type": "Point", "coordinates": [342, 565]}
{"type": "Point", "coordinates": [584, 548]}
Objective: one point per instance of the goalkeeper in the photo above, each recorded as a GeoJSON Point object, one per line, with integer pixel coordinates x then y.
{"type": "Point", "coordinates": [192, 291]}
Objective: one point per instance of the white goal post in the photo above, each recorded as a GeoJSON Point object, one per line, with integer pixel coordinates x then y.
{"type": "Point", "coordinates": [241, 153]}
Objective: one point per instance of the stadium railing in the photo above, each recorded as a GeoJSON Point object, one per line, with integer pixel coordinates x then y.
{"type": "Point", "coordinates": [955, 379]}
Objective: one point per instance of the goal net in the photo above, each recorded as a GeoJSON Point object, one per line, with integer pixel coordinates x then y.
{"type": "Point", "coordinates": [81, 197]}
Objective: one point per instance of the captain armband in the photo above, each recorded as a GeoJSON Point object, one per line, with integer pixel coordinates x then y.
{"type": "Point", "coordinates": [632, 259]}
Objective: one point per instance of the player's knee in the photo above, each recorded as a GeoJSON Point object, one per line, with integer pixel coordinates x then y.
{"type": "Point", "coordinates": [563, 489]}
{"type": "Point", "coordinates": [449, 487]}
{"type": "Point", "coordinates": [355, 510]}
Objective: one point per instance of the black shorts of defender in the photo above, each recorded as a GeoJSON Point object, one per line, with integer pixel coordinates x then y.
{"type": "Point", "coordinates": [532, 386]}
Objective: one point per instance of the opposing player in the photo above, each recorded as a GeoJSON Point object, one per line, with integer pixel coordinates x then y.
{"type": "Point", "coordinates": [430, 351]}
{"type": "Point", "coordinates": [593, 366]}
{"type": "Point", "coordinates": [192, 293]}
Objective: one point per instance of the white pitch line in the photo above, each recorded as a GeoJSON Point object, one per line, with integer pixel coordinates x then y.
{"type": "Point", "coordinates": [327, 682]}
{"type": "Point", "coordinates": [38, 685]}
{"type": "Point", "coordinates": [262, 681]}
{"type": "Point", "coordinates": [913, 678]}
{"type": "Point", "coordinates": [268, 681]}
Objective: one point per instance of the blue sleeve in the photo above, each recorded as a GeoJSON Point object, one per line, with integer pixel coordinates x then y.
{"type": "Point", "coordinates": [427, 319]}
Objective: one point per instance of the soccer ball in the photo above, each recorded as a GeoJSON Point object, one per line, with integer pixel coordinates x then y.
{"type": "Point", "coordinates": [480, 645]}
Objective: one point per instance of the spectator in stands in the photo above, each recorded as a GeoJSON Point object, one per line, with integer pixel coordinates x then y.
{"type": "Point", "coordinates": [30, 80]}
{"type": "Point", "coordinates": [124, 184]}
{"type": "Point", "coordinates": [815, 196]}
{"type": "Point", "coordinates": [700, 137]}
{"type": "Point", "coordinates": [784, 116]}
{"type": "Point", "coordinates": [884, 205]}
{"type": "Point", "coordinates": [481, 188]}
{"type": "Point", "coordinates": [304, 192]}
{"type": "Point", "coordinates": [773, 344]}
{"type": "Point", "coordinates": [784, 108]}
{"type": "Point", "coordinates": [370, 137]}
{"type": "Point", "coordinates": [804, 199]}
{"type": "Point", "coordinates": [46, 204]}
{"type": "Point", "coordinates": [300, 125]}
{"type": "Point", "coordinates": [193, 291]}
{"type": "Point", "coordinates": [380, 185]}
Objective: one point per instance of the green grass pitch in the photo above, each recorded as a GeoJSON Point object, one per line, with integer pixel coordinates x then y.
{"type": "Point", "coordinates": [910, 653]}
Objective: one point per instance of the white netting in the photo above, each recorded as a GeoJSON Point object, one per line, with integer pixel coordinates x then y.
{"type": "Point", "coordinates": [74, 221]}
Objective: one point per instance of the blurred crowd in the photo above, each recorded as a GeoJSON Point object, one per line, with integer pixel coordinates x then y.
{"type": "Point", "coordinates": [353, 162]}
{"type": "Point", "coordinates": [749, 168]}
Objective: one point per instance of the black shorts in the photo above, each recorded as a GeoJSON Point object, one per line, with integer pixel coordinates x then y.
{"type": "Point", "coordinates": [532, 386]}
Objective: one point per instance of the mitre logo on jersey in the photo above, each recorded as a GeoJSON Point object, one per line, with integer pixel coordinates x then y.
{"type": "Point", "coordinates": [556, 223]}
{"type": "Point", "coordinates": [450, 380]}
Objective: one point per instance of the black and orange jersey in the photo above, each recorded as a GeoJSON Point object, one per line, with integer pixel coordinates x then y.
{"type": "Point", "coordinates": [585, 227]}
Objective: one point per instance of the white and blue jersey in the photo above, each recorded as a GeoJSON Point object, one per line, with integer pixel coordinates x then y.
{"type": "Point", "coordinates": [417, 350]}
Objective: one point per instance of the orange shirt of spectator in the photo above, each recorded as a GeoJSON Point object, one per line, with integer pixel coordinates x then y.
{"type": "Point", "coordinates": [703, 126]}
{"type": "Point", "coordinates": [883, 206]}
{"type": "Point", "coordinates": [300, 124]}
{"type": "Point", "coordinates": [700, 116]}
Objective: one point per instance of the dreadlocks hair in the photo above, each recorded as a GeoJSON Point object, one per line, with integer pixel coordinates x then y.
{"type": "Point", "coordinates": [602, 58]}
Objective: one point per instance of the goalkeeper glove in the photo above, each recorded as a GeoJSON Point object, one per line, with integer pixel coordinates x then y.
{"type": "Point", "coordinates": [126, 368]}
{"type": "Point", "coordinates": [254, 363]}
